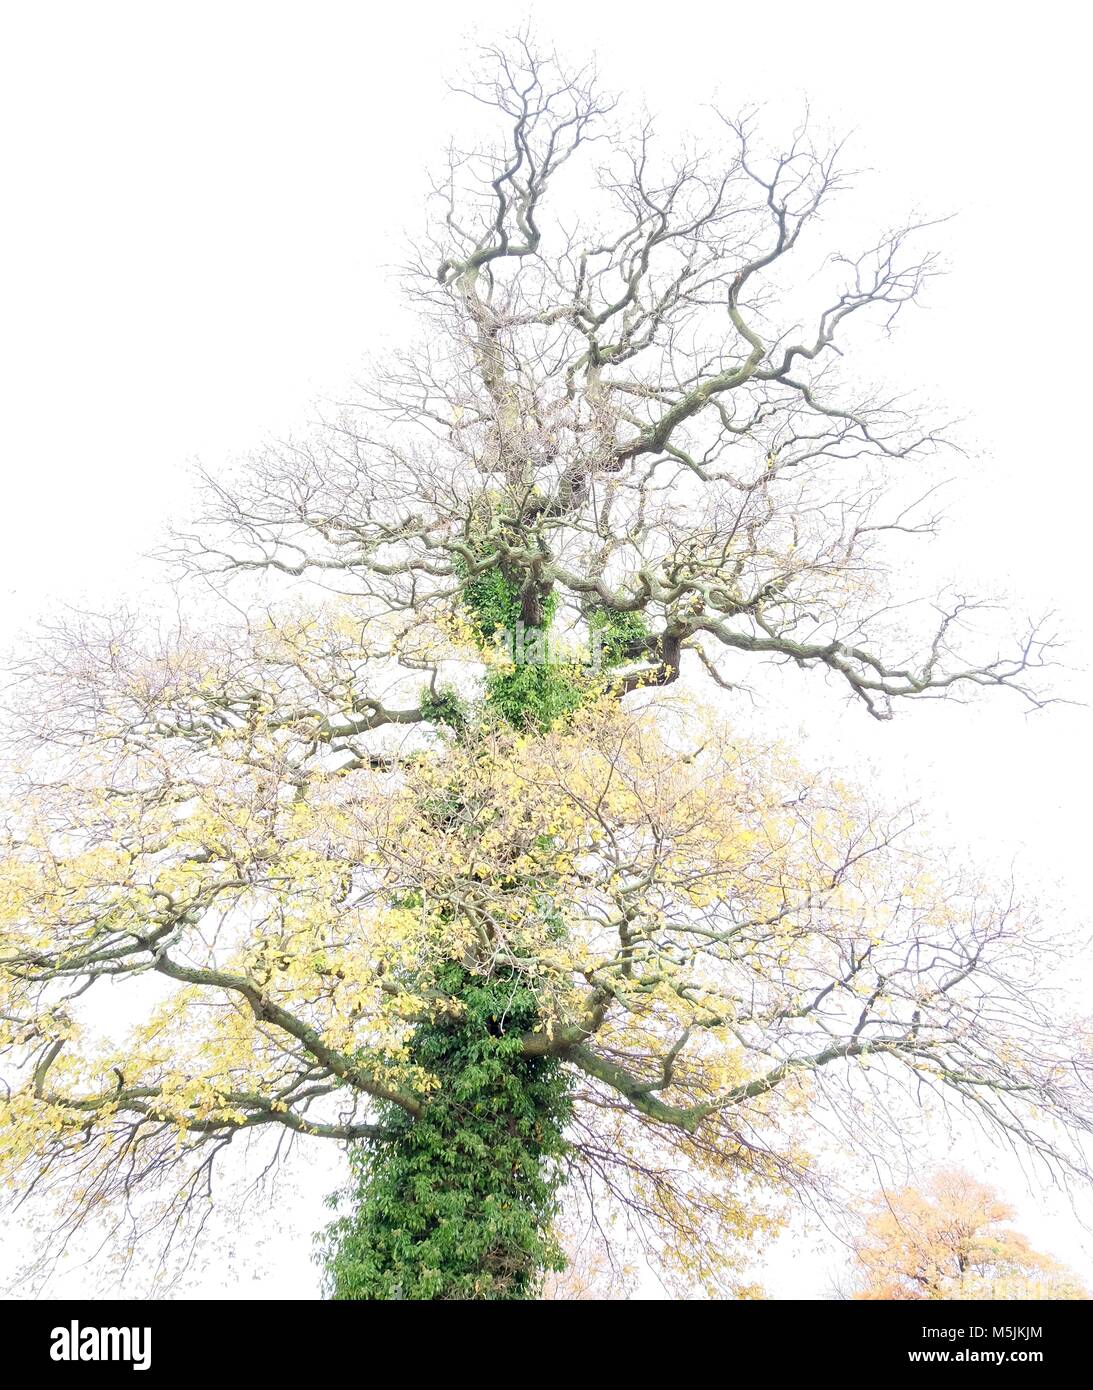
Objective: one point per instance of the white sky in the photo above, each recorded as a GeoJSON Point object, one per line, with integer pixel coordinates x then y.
{"type": "Point", "coordinates": [201, 200]}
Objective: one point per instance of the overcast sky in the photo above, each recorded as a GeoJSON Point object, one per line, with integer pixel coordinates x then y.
{"type": "Point", "coordinates": [201, 203]}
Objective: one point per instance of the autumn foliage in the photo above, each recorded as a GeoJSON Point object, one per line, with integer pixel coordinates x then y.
{"type": "Point", "coordinates": [950, 1241]}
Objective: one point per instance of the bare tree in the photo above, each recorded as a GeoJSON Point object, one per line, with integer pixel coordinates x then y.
{"type": "Point", "coordinates": [618, 402]}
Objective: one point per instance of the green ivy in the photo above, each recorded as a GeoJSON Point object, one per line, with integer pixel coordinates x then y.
{"type": "Point", "coordinates": [534, 695]}
{"type": "Point", "coordinates": [617, 631]}
{"type": "Point", "coordinates": [529, 693]}
{"type": "Point", "coordinates": [459, 1203]}
{"type": "Point", "coordinates": [445, 706]}
{"type": "Point", "coordinates": [491, 601]}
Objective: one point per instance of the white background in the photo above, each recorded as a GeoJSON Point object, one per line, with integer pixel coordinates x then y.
{"type": "Point", "coordinates": [201, 200]}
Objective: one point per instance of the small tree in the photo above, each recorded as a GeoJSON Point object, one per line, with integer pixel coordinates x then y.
{"type": "Point", "coordinates": [949, 1241]}
{"type": "Point", "coordinates": [396, 875]}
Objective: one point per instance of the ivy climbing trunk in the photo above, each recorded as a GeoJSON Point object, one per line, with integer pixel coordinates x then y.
{"type": "Point", "coordinates": [459, 1203]}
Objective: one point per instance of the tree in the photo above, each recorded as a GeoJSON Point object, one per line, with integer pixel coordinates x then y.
{"type": "Point", "coordinates": [950, 1242]}
{"type": "Point", "coordinates": [435, 865]}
